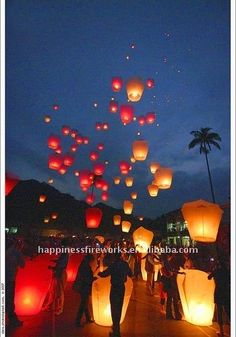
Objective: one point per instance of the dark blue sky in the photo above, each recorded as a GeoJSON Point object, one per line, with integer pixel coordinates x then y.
{"type": "Point", "coordinates": [66, 52]}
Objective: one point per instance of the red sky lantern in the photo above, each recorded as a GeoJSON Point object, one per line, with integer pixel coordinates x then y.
{"type": "Point", "coordinates": [85, 140]}
{"type": "Point", "coordinates": [55, 107]}
{"type": "Point", "coordinates": [98, 169]}
{"type": "Point", "coordinates": [141, 120]}
{"type": "Point", "coordinates": [90, 198]}
{"type": "Point", "coordinates": [73, 265]}
{"type": "Point", "coordinates": [99, 182]}
{"type": "Point", "coordinates": [68, 160]}
{"type": "Point", "coordinates": [42, 198]}
{"type": "Point", "coordinates": [100, 147]}
{"type": "Point", "coordinates": [55, 161]}
{"type": "Point", "coordinates": [150, 117]}
{"type": "Point", "coordinates": [63, 169]}
{"type": "Point", "coordinates": [86, 178]}
{"type": "Point", "coordinates": [126, 114]}
{"type": "Point", "coordinates": [93, 155]}
{"type": "Point", "coordinates": [125, 167]}
{"type": "Point", "coordinates": [116, 84]}
{"type": "Point", "coordinates": [73, 148]}
{"type": "Point", "coordinates": [104, 196]}
{"type": "Point", "coordinates": [10, 182]}
{"type": "Point", "coordinates": [113, 106]}
{"type": "Point", "coordinates": [98, 126]}
{"type": "Point", "coordinates": [73, 133]}
{"type": "Point", "coordinates": [84, 188]}
{"type": "Point", "coordinates": [79, 139]}
{"type": "Point", "coordinates": [93, 217]}
{"type": "Point", "coordinates": [54, 216]}
{"type": "Point", "coordinates": [150, 83]}
{"type": "Point", "coordinates": [105, 126]}
{"type": "Point", "coordinates": [105, 185]}
{"type": "Point", "coordinates": [59, 150]}
{"type": "Point", "coordinates": [65, 130]}
{"type": "Point", "coordinates": [53, 142]}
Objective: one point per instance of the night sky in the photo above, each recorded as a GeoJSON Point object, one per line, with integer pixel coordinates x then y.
{"type": "Point", "coordinates": [66, 52]}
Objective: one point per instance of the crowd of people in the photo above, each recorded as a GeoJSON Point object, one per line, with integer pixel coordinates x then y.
{"type": "Point", "coordinates": [118, 266]}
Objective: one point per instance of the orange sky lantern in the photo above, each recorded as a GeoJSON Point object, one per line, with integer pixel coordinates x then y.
{"type": "Point", "coordinates": [154, 167]}
{"type": "Point", "coordinates": [55, 161]}
{"type": "Point", "coordinates": [42, 198]}
{"type": "Point", "coordinates": [127, 207]}
{"type": "Point", "coordinates": [126, 225]}
{"type": "Point", "coordinates": [113, 106]}
{"type": "Point", "coordinates": [142, 239]}
{"type": "Point", "coordinates": [134, 195]}
{"type": "Point", "coordinates": [54, 142]}
{"type": "Point", "coordinates": [140, 149]}
{"type": "Point", "coordinates": [54, 216]}
{"type": "Point", "coordinates": [129, 181]}
{"type": "Point", "coordinates": [116, 219]}
{"type": "Point", "coordinates": [126, 113]}
{"type": "Point", "coordinates": [134, 89]}
{"type": "Point", "coordinates": [65, 130]}
{"type": "Point", "coordinates": [116, 84]}
{"type": "Point", "coordinates": [47, 119]}
{"type": "Point", "coordinates": [93, 217]}
{"type": "Point", "coordinates": [152, 190]}
{"type": "Point", "coordinates": [73, 265]}
{"type": "Point", "coordinates": [150, 83]}
{"type": "Point", "coordinates": [116, 180]}
{"type": "Point", "coordinates": [62, 170]}
{"type": "Point", "coordinates": [163, 177]}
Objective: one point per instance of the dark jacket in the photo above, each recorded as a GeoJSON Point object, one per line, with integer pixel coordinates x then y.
{"type": "Point", "coordinates": [118, 270]}
{"type": "Point", "coordinates": [84, 278]}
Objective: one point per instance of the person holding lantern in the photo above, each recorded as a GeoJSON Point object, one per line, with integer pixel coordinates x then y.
{"type": "Point", "coordinates": [150, 262]}
{"type": "Point", "coordinates": [118, 270]}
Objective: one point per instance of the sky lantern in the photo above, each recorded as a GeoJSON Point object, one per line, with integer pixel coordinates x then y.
{"type": "Point", "coordinates": [68, 160]}
{"type": "Point", "coordinates": [42, 198]}
{"type": "Point", "coordinates": [132, 159]}
{"type": "Point", "coordinates": [127, 207]}
{"type": "Point", "coordinates": [98, 126]}
{"type": "Point", "coordinates": [76, 173]}
{"type": "Point", "coordinates": [140, 149]}
{"type": "Point", "coordinates": [105, 126]}
{"type": "Point", "coordinates": [98, 169]}
{"type": "Point", "coordinates": [79, 139]}
{"type": "Point", "coordinates": [116, 219]}
{"type": "Point", "coordinates": [32, 283]}
{"type": "Point", "coordinates": [203, 220]}
{"type": "Point", "coordinates": [54, 142]}
{"type": "Point", "coordinates": [47, 119]}
{"type": "Point", "coordinates": [59, 150]}
{"type": "Point", "coordinates": [126, 225]}
{"type": "Point", "coordinates": [46, 219]}
{"type": "Point", "coordinates": [100, 238]}
{"type": "Point", "coordinates": [113, 106]}
{"type": "Point", "coordinates": [163, 177]}
{"type": "Point", "coordinates": [65, 130]}
{"type": "Point", "coordinates": [197, 296]}
{"type": "Point", "coordinates": [154, 167]}
{"type": "Point", "coordinates": [150, 83]}
{"type": "Point", "coordinates": [134, 89]}
{"type": "Point", "coordinates": [104, 196]}
{"type": "Point", "coordinates": [150, 117]}
{"type": "Point", "coordinates": [152, 190]}
{"type": "Point", "coordinates": [63, 169]}
{"type": "Point", "coordinates": [55, 107]}
{"type": "Point", "coordinates": [85, 140]}
{"type": "Point", "coordinates": [116, 84]}
{"type": "Point", "coordinates": [73, 265]}
{"type": "Point", "coordinates": [10, 182]}
{"type": "Point", "coordinates": [99, 182]}
{"type": "Point", "coordinates": [129, 181]}
{"type": "Point", "coordinates": [141, 218]}
{"type": "Point", "coordinates": [142, 239]}
{"type": "Point", "coordinates": [93, 155]}
{"type": "Point", "coordinates": [124, 167]}
{"type": "Point", "coordinates": [73, 148]}
{"type": "Point", "coordinates": [86, 178]}
{"type": "Point", "coordinates": [54, 216]}
{"type": "Point", "coordinates": [100, 146]}
{"type": "Point", "coordinates": [55, 161]}
{"type": "Point", "coordinates": [126, 113]}
{"type": "Point", "coordinates": [50, 181]}
{"type": "Point", "coordinates": [73, 133]}
{"type": "Point", "coordinates": [116, 180]}
{"type": "Point", "coordinates": [105, 185]}
{"type": "Point", "coordinates": [141, 120]}
{"type": "Point", "coordinates": [90, 198]}
{"type": "Point", "coordinates": [93, 217]}
{"type": "Point", "coordinates": [134, 195]}
{"type": "Point", "coordinates": [101, 300]}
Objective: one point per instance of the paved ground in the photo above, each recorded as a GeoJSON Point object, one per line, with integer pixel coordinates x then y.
{"type": "Point", "coordinates": [143, 319]}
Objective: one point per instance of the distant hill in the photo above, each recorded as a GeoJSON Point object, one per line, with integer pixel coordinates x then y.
{"type": "Point", "coordinates": [24, 211]}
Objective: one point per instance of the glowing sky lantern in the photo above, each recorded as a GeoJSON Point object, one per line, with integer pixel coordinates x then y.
{"type": "Point", "coordinates": [127, 207]}
{"type": "Point", "coordinates": [140, 149]}
{"type": "Point", "coordinates": [129, 181]}
{"type": "Point", "coordinates": [46, 219]}
{"type": "Point", "coordinates": [141, 120]}
{"type": "Point", "coordinates": [163, 177]}
{"type": "Point", "coordinates": [53, 142]}
{"type": "Point", "coordinates": [150, 83]}
{"type": "Point", "coordinates": [142, 239]}
{"type": "Point", "coordinates": [55, 107]}
{"type": "Point", "coordinates": [73, 133]}
{"type": "Point", "coordinates": [50, 181]}
{"type": "Point", "coordinates": [98, 126]}
{"type": "Point", "coordinates": [100, 146]}
{"type": "Point", "coordinates": [47, 119]}
{"type": "Point", "coordinates": [65, 130]}
{"type": "Point", "coordinates": [105, 126]}
{"type": "Point", "coordinates": [116, 180]}
{"type": "Point", "coordinates": [86, 178]}
{"type": "Point", "coordinates": [73, 265]}
{"type": "Point", "coordinates": [132, 159]}
{"type": "Point", "coordinates": [150, 118]}
{"type": "Point", "coordinates": [54, 216]}
{"type": "Point", "coordinates": [99, 182]}
{"type": "Point", "coordinates": [116, 219]}
{"type": "Point", "coordinates": [125, 226]}
{"type": "Point", "coordinates": [113, 106]}
{"type": "Point", "coordinates": [93, 155]}
{"type": "Point", "coordinates": [62, 170]}
{"type": "Point", "coordinates": [100, 238]}
{"type": "Point", "coordinates": [32, 283]}
{"type": "Point", "coordinates": [55, 161]}
{"type": "Point", "coordinates": [152, 190]}
{"type": "Point", "coordinates": [10, 182]}
{"type": "Point", "coordinates": [126, 113]}
{"type": "Point", "coordinates": [197, 296]}
{"type": "Point", "coordinates": [79, 139]}
{"type": "Point", "coordinates": [105, 185]}
{"type": "Point", "coordinates": [68, 160]}
{"type": "Point", "coordinates": [154, 167]}
{"type": "Point", "coordinates": [116, 84]}
{"type": "Point", "coordinates": [90, 198]}
{"type": "Point", "coordinates": [203, 220]}
{"type": "Point", "coordinates": [104, 196]}
{"type": "Point", "coordinates": [85, 140]}
{"type": "Point", "coordinates": [73, 147]}
{"type": "Point", "coordinates": [93, 217]}
{"type": "Point", "coordinates": [42, 198]}
{"type": "Point", "coordinates": [76, 173]}
{"type": "Point", "coordinates": [101, 301]}
{"type": "Point", "coordinates": [134, 89]}
{"type": "Point", "coordinates": [134, 195]}
{"type": "Point", "coordinates": [124, 167]}
{"type": "Point", "coordinates": [98, 169]}
{"type": "Point", "coordinates": [59, 150]}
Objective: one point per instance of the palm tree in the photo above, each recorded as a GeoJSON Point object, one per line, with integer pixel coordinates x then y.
{"type": "Point", "coordinates": [204, 138]}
